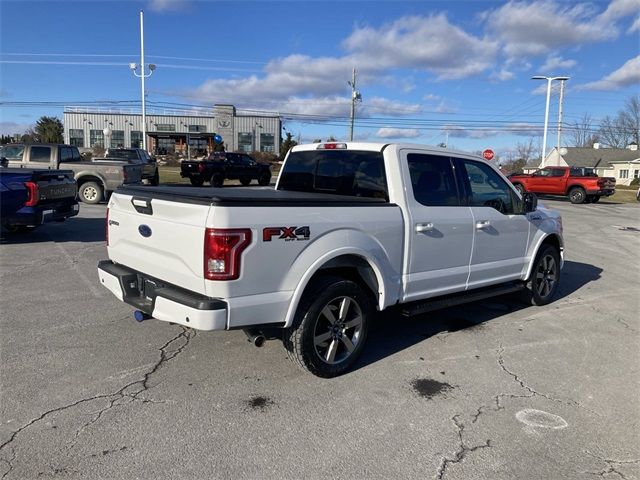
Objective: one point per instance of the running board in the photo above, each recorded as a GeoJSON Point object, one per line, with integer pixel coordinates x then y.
{"type": "Point", "coordinates": [424, 306]}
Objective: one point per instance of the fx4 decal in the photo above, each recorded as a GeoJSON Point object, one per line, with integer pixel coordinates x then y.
{"type": "Point", "coordinates": [288, 234]}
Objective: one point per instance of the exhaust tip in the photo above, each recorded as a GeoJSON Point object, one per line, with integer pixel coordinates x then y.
{"type": "Point", "coordinates": [255, 337]}
{"type": "Point", "coordinates": [259, 340]}
{"type": "Point", "coordinates": [140, 316]}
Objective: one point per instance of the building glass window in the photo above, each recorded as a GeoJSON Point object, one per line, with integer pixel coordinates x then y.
{"type": "Point", "coordinates": [136, 139]}
{"type": "Point", "coordinates": [117, 139]}
{"type": "Point", "coordinates": [96, 138]}
{"type": "Point", "coordinates": [76, 137]}
{"type": "Point", "coordinates": [624, 173]}
{"type": "Point", "coordinates": [245, 142]}
{"type": "Point", "coordinates": [166, 146]}
{"type": "Point", "coordinates": [165, 127]}
{"type": "Point", "coordinates": [636, 174]}
{"type": "Point", "coordinates": [197, 128]}
{"type": "Point", "coordinates": [267, 142]}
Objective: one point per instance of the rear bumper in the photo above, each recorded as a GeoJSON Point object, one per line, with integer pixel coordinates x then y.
{"type": "Point", "coordinates": [33, 216]}
{"type": "Point", "coordinates": [163, 301]}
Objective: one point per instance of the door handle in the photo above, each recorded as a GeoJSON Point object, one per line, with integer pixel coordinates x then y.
{"type": "Point", "coordinates": [424, 227]}
{"type": "Point", "coordinates": [482, 224]}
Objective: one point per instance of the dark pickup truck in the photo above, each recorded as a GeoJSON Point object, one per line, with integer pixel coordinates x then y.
{"type": "Point", "coordinates": [135, 156]}
{"type": "Point", "coordinates": [221, 166]}
{"type": "Point", "coordinates": [29, 198]}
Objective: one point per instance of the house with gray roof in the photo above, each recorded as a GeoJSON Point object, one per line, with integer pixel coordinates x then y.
{"type": "Point", "coordinates": [621, 163]}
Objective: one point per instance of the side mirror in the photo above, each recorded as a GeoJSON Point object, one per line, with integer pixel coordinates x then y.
{"type": "Point", "coordinates": [530, 202]}
{"type": "Point", "coordinates": [4, 162]}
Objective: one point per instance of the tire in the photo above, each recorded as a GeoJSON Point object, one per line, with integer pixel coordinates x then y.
{"type": "Point", "coordinates": [595, 198]}
{"type": "Point", "coordinates": [264, 179]}
{"type": "Point", "coordinates": [196, 182]}
{"type": "Point", "coordinates": [155, 181]}
{"type": "Point", "coordinates": [577, 195]}
{"type": "Point", "coordinates": [91, 193]}
{"type": "Point", "coordinates": [323, 339]}
{"type": "Point", "coordinates": [217, 180]}
{"type": "Point", "coordinates": [545, 276]}
{"type": "Point", "coordinates": [19, 229]}
{"type": "Point", "coordinates": [245, 181]}
{"type": "Point", "coordinates": [519, 188]}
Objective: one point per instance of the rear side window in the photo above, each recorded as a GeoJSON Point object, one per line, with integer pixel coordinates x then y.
{"type": "Point", "coordinates": [66, 154]}
{"type": "Point", "coordinates": [557, 172]}
{"type": "Point", "coordinates": [432, 180]}
{"type": "Point", "coordinates": [40, 154]}
{"type": "Point", "coordinates": [12, 152]}
{"type": "Point", "coordinates": [340, 172]}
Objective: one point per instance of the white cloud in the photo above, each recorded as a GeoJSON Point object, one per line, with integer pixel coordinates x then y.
{"type": "Point", "coordinates": [13, 128]}
{"type": "Point", "coordinates": [519, 129]}
{"type": "Point", "coordinates": [168, 5]}
{"type": "Point", "coordinates": [430, 97]}
{"type": "Point", "coordinates": [555, 63]}
{"type": "Point", "coordinates": [618, 9]}
{"type": "Point", "coordinates": [635, 26]}
{"type": "Point", "coordinates": [389, 132]}
{"type": "Point", "coordinates": [539, 27]}
{"type": "Point", "coordinates": [627, 75]}
{"type": "Point", "coordinates": [502, 75]}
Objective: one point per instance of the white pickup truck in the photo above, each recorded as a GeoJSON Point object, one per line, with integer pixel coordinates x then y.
{"type": "Point", "coordinates": [350, 228]}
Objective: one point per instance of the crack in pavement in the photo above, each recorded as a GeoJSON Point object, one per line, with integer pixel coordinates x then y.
{"type": "Point", "coordinates": [137, 387]}
{"type": "Point", "coordinates": [530, 390]}
{"type": "Point", "coordinates": [462, 452]}
{"type": "Point", "coordinates": [610, 468]}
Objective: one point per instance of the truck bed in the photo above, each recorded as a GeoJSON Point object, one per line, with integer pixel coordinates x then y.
{"type": "Point", "coordinates": [247, 196]}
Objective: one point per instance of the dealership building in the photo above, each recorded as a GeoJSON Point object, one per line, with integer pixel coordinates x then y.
{"type": "Point", "coordinates": [171, 132]}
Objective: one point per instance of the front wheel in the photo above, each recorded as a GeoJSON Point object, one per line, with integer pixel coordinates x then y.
{"type": "Point", "coordinates": [90, 192]}
{"type": "Point", "coordinates": [196, 182]}
{"type": "Point", "coordinates": [245, 181]}
{"type": "Point", "coordinates": [519, 188]}
{"type": "Point", "coordinates": [545, 276]}
{"type": "Point", "coordinates": [330, 327]}
{"type": "Point", "coordinates": [577, 195]}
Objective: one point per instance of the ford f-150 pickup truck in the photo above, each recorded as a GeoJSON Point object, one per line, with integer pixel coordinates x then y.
{"type": "Point", "coordinates": [96, 180]}
{"type": "Point", "coordinates": [29, 198]}
{"type": "Point", "coordinates": [350, 228]}
{"type": "Point", "coordinates": [566, 181]}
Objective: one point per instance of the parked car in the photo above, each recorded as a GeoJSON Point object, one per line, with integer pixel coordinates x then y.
{"type": "Point", "coordinates": [96, 180]}
{"type": "Point", "coordinates": [572, 182]}
{"type": "Point", "coordinates": [221, 166]}
{"type": "Point", "coordinates": [29, 198]}
{"type": "Point", "coordinates": [349, 229]}
{"type": "Point", "coordinates": [135, 156]}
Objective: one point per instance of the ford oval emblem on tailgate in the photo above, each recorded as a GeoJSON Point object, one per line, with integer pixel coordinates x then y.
{"type": "Point", "coordinates": [144, 230]}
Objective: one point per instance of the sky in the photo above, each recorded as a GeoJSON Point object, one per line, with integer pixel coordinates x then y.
{"type": "Point", "coordinates": [455, 72]}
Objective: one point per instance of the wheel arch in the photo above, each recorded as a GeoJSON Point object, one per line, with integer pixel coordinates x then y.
{"type": "Point", "coordinates": [82, 178]}
{"type": "Point", "coordinates": [552, 239]}
{"type": "Point", "coordinates": [356, 264]}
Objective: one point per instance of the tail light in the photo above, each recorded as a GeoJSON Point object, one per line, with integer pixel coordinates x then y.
{"type": "Point", "coordinates": [33, 194]}
{"type": "Point", "coordinates": [223, 251]}
{"type": "Point", "coordinates": [106, 227]}
{"type": "Point", "coordinates": [201, 167]}
{"type": "Point", "coordinates": [125, 175]}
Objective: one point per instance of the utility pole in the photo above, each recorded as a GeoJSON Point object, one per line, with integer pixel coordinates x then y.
{"type": "Point", "coordinates": [560, 113]}
{"type": "Point", "coordinates": [355, 97]}
{"type": "Point", "coordinates": [546, 113]}
{"type": "Point", "coordinates": [143, 75]}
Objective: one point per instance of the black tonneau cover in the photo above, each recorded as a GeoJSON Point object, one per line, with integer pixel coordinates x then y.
{"type": "Point", "coordinates": [246, 196]}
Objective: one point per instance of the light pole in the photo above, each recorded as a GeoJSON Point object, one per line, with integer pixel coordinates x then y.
{"type": "Point", "coordinates": [142, 76]}
{"type": "Point", "coordinates": [107, 136]}
{"type": "Point", "coordinates": [355, 97]}
{"type": "Point", "coordinates": [546, 111]}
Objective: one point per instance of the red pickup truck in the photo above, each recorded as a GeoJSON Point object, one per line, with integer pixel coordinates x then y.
{"type": "Point", "coordinates": [574, 182]}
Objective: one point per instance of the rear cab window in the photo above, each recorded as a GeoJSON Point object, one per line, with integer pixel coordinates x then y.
{"type": "Point", "coordinates": [39, 154]}
{"type": "Point", "coordinates": [340, 172]}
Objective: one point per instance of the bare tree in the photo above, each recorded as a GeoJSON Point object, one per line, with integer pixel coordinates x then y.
{"type": "Point", "coordinates": [525, 151]}
{"type": "Point", "coordinates": [624, 129]}
{"type": "Point", "coordinates": [581, 132]}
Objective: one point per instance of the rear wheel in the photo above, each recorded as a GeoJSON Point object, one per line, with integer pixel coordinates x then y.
{"type": "Point", "coordinates": [156, 179]}
{"type": "Point", "coordinates": [330, 327]}
{"type": "Point", "coordinates": [245, 181]}
{"type": "Point", "coordinates": [264, 179]}
{"type": "Point", "coordinates": [519, 188]}
{"type": "Point", "coordinates": [545, 276]}
{"type": "Point", "coordinates": [196, 182]}
{"type": "Point", "coordinates": [577, 195]}
{"type": "Point", "coordinates": [217, 180]}
{"type": "Point", "coordinates": [90, 192]}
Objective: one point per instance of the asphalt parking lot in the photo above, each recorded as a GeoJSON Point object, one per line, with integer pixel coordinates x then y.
{"type": "Point", "coordinates": [492, 390]}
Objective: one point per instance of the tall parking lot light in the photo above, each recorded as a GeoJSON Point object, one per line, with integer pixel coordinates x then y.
{"type": "Point", "coordinates": [142, 76]}
{"type": "Point", "coordinates": [546, 111]}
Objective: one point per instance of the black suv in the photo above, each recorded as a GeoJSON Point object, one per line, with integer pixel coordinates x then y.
{"type": "Point", "coordinates": [222, 165]}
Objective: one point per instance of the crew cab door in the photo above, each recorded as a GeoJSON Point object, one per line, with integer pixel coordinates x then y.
{"type": "Point", "coordinates": [439, 230]}
{"type": "Point", "coordinates": [548, 180]}
{"type": "Point", "coordinates": [501, 230]}
{"type": "Point", "coordinates": [41, 157]}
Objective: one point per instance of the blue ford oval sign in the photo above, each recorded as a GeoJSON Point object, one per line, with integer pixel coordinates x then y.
{"type": "Point", "coordinates": [144, 230]}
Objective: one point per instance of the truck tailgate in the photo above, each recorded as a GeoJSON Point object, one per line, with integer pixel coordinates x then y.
{"type": "Point", "coordinates": [160, 238]}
